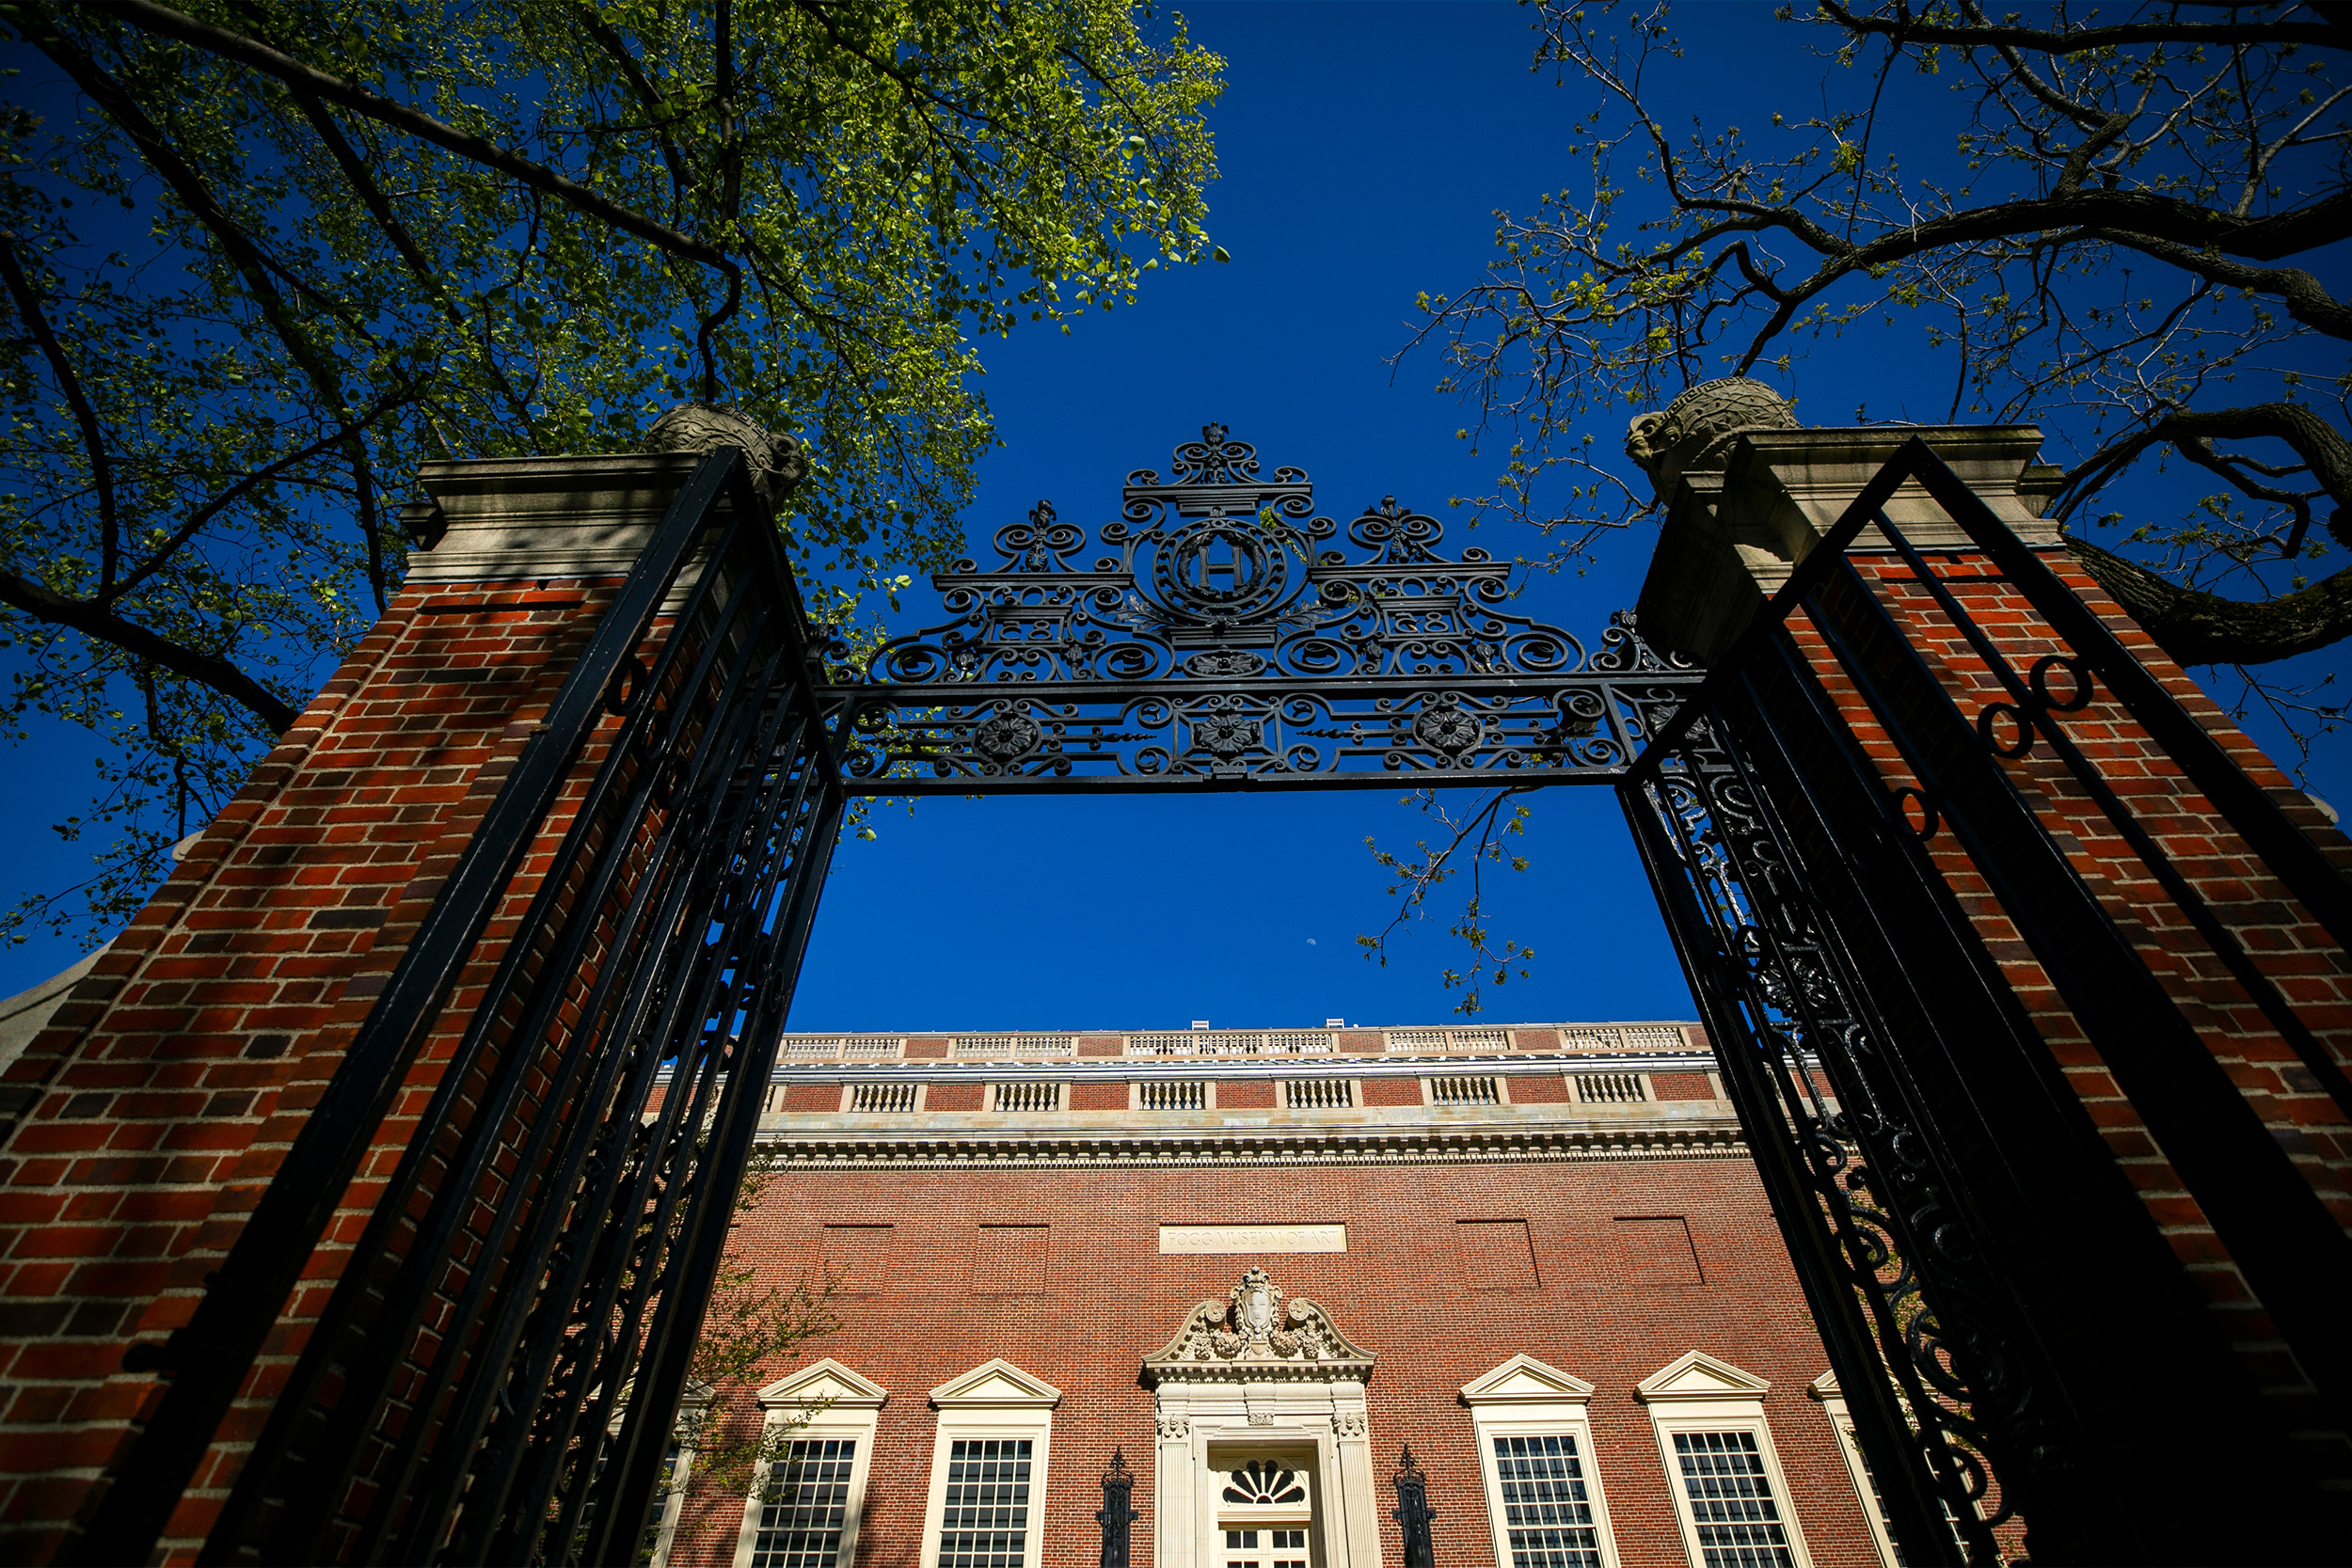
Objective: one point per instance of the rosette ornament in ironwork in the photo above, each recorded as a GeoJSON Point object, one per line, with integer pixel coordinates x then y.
{"type": "Point", "coordinates": [1222, 635]}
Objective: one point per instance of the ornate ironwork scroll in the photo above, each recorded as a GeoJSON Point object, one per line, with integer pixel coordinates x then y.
{"type": "Point", "coordinates": [1849, 1167]}
{"type": "Point", "coordinates": [1219, 634]}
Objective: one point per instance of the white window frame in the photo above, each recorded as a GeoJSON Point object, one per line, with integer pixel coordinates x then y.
{"type": "Point", "coordinates": [1832, 1398]}
{"type": "Point", "coordinates": [1306, 1462]}
{"type": "Point", "coordinates": [1699, 1393]}
{"type": "Point", "coordinates": [997, 1401]}
{"type": "Point", "coordinates": [1222, 1417]}
{"type": "Point", "coordinates": [1527, 1397]}
{"type": "Point", "coordinates": [822, 1401]}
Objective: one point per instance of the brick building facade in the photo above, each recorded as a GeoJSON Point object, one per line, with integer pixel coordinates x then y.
{"type": "Point", "coordinates": [1546, 1242]}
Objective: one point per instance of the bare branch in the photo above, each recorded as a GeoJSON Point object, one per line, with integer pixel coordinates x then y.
{"type": "Point", "coordinates": [334, 89]}
{"type": "Point", "coordinates": [2197, 628]}
{"type": "Point", "coordinates": [2085, 40]}
{"type": "Point", "coordinates": [70, 386]}
{"type": "Point", "coordinates": [104, 625]}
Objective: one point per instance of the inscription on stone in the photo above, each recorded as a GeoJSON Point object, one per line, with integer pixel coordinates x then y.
{"type": "Point", "coordinates": [1252, 1237]}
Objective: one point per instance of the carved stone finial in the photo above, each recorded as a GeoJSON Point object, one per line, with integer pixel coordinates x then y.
{"type": "Point", "coordinates": [778, 464]}
{"type": "Point", "coordinates": [1694, 431]}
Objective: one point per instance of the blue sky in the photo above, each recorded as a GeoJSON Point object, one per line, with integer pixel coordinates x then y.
{"type": "Point", "coordinates": [1364, 150]}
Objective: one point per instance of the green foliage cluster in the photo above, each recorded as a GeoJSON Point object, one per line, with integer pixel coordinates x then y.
{"type": "Point", "coordinates": [265, 258]}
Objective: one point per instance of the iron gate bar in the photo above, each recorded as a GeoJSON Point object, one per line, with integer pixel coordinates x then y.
{"type": "Point", "coordinates": [311, 1500]}
{"type": "Point", "coordinates": [1941, 1235]}
{"type": "Point", "coordinates": [2214, 770]}
{"type": "Point", "coordinates": [206, 1359]}
{"type": "Point", "coordinates": [2073, 1216]}
{"type": "Point", "coordinates": [678, 1320]}
{"type": "Point", "coordinates": [495, 1473]}
{"type": "Point", "coordinates": [2294, 1253]}
{"type": "Point", "coordinates": [455, 1465]}
{"type": "Point", "coordinates": [681, 1311]}
{"type": "Point", "coordinates": [1917, 1475]}
{"type": "Point", "coordinates": [2325, 890]}
{"type": "Point", "coordinates": [723, 965]}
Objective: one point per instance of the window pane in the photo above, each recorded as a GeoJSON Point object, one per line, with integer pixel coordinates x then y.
{"type": "Point", "coordinates": [806, 1502]}
{"type": "Point", "coordinates": [986, 1522]}
{"type": "Point", "coordinates": [1546, 1510]}
{"type": "Point", "coordinates": [1731, 1499]}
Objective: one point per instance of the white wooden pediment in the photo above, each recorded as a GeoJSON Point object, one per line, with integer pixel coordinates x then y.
{"type": "Point", "coordinates": [827, 1382]}
{"type": "Point", "coordinates": [1700, 1376]}
{"type": "Point", "coordinates": [1524, 1380]}
{"type": "Point", "coordinates": [1826, 1386]}
{"type": "Point", "coordinates": [996, 1385]}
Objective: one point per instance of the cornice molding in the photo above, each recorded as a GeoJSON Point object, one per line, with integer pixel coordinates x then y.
{"type": "Point", "coordinates": [1123, 1150]}
{"type": "Point", "coordinates": [1135, 1068]}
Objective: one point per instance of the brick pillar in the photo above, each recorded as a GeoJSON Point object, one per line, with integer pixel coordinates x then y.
{"type": "Point", "coordinates": [143, 1121]}
{"type": "Point", "coordinates": [1750, 502]}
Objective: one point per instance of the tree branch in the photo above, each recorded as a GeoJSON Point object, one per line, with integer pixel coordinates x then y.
{"type": "Point", "coordinates": [104, 625]}
{"type": "Point", "coordinates": [2197, 628]}
{"type": "Point", "coordinates": [334, 89]}
{"type": "Point", "coordinates": [379, 206]}
{"type": "Point", "coordinates": [2306, 300]}
{"type": "Point", "coordinates": [1989, 34]}
{"type": "Point", "coordinates": [213, 508]}
{"type": "Point", "coordinates": [70, 385]}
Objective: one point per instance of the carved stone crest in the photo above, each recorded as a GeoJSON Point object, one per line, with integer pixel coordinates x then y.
{"type": "Point", "coordinates": [1256, 1332]}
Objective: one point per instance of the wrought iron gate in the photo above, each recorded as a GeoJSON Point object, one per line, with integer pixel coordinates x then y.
{"type": "Point", "coordinates": [497, 1374]}
{"type": "Point", "coordinates": [1988, 1284]}
{"type": "Point", "coordinates": [494, 1377]}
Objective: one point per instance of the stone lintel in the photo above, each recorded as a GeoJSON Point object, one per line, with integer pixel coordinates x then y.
{"type": "Point", "coordinates": [1733, 535]}
{"type": "Point", "coordinates": [508, 519]}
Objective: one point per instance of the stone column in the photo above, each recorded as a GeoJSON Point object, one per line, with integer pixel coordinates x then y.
{"type": "Point", "coordinates": [1172, 1483]}
{"type": "Point", "coordinates": [144, 1119]}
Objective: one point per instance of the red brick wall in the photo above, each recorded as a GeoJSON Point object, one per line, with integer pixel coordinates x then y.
{"type": "Point", "coordinates": [2291, 947]}
{"type": "Point", "coordinates": [1097, 1097]}
{"type": "Point", "coordinates": [1390, 1091]}
{"type": "Point", "coordinates": [1544, 1089]}
{"type": "Point", "coordinates": [1682, 1085]}
{"type": "Point", "coordinates": [1608, 1307]}
{"type": "Point", "coordinates": [163, 1096]}
{"type": "Point", "coordinates": [955, 1097]}
{"type": "Point", "coordinates": [812, 1097]}
{"type": "Point", "coordinates": [1250, 1094]}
